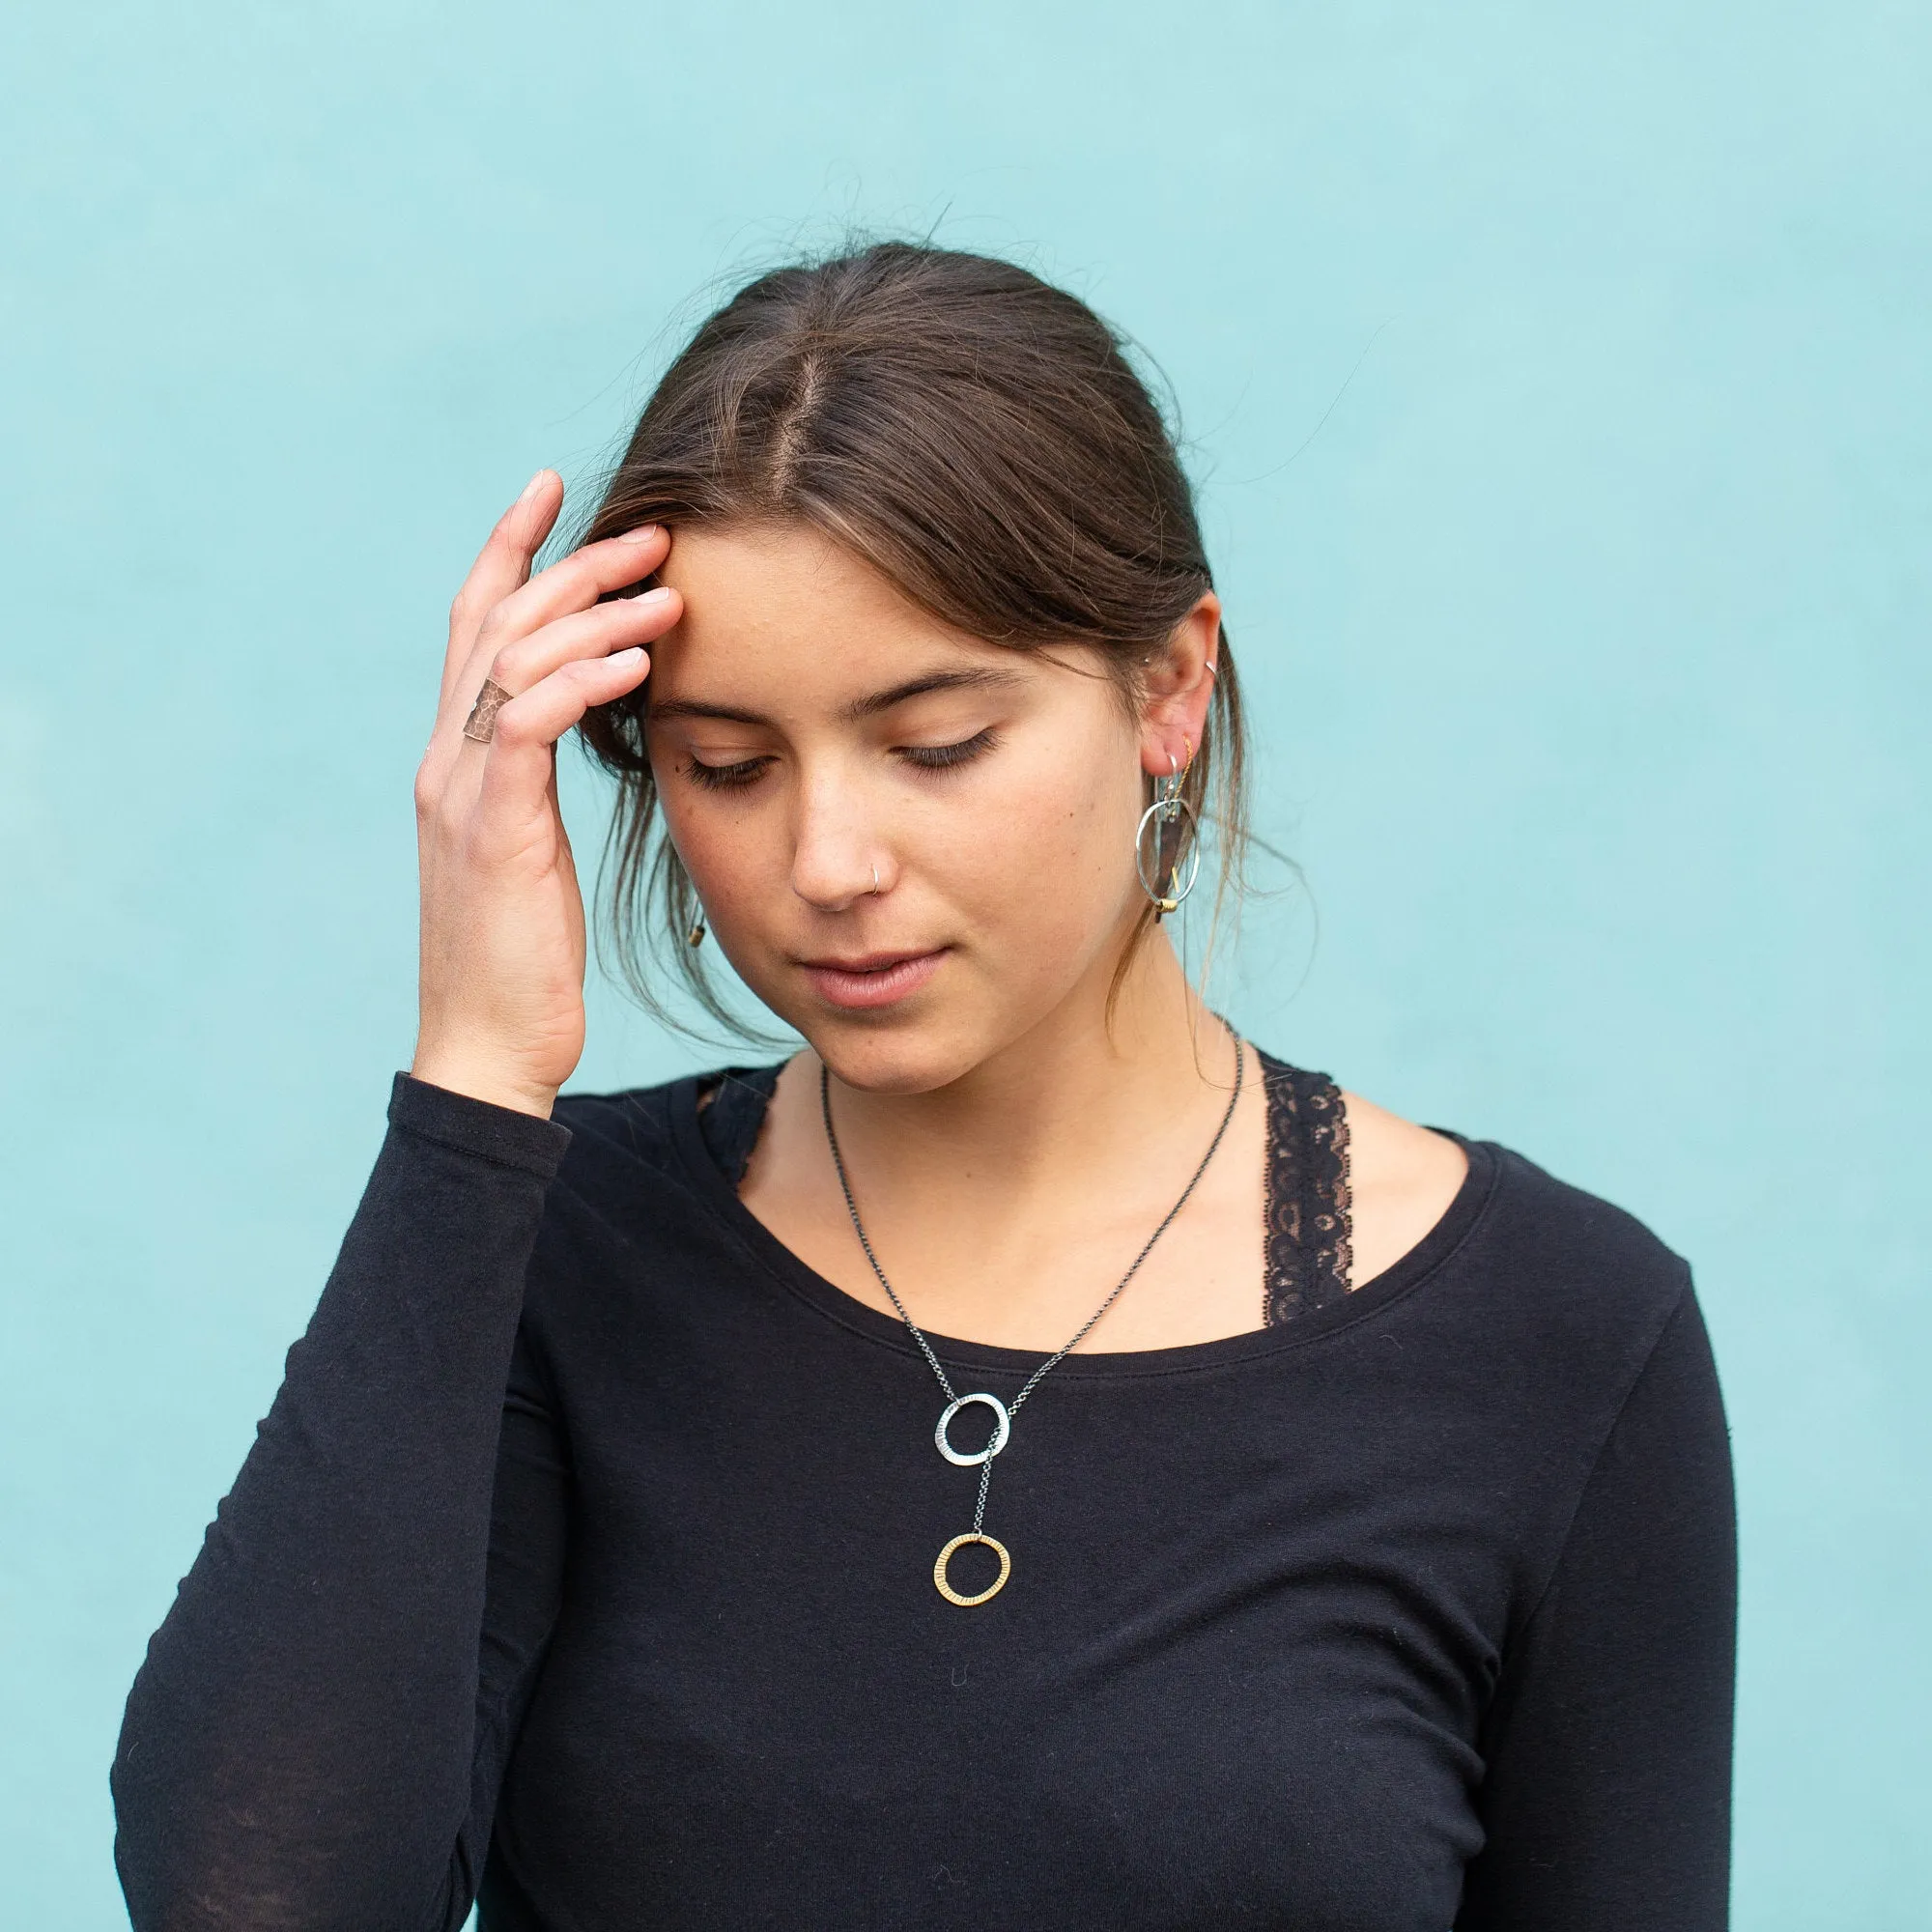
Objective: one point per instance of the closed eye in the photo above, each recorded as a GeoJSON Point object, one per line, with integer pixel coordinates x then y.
{"type": "Point", "coordinates": [926, 757]}
{"type": "Point", "coordinates": [938, 758]}
{"type": "Point", "coordinates": [726, 777]}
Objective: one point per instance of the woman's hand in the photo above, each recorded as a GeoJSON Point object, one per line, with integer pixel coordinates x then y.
{"type": "Point", "coordinates": [501, 1014]}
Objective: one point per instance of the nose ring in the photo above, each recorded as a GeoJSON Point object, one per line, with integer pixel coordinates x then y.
{"type": "Point", "coordinates": [875, 878]}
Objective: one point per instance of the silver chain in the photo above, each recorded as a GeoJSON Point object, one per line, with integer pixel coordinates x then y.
{"type": "Point", "coordinates": [926, 1347]}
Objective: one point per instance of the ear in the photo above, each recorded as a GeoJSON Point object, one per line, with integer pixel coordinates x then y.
{"type": "Point", "coordinates": [1177, 688]}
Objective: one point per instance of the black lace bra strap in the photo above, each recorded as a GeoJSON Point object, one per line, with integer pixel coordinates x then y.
{"type": "Point", "coordinates": [730, 1120]}
{"type": "Point", "coordinates": [1306, 1259]}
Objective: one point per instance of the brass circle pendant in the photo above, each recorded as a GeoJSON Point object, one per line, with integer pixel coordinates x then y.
{"type": "Point", "coordinates": [993, 1589]}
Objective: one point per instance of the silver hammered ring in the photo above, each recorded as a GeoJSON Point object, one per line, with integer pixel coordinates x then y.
{"type": "Point", "coordinates": [1003, 1427]}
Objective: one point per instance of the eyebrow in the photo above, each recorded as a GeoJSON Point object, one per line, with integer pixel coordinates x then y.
{"type": "Point", "coordinates": [860, 708]}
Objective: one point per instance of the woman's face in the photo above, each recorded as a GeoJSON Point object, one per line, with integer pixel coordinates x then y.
{"type": "Point", "coordinates": [914, 846]}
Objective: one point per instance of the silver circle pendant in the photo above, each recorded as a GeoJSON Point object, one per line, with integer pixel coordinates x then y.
{"type": "Point", "coordinates": [1002, 1425]}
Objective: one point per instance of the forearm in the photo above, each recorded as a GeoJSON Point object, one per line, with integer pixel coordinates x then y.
{"type": "Point", "coordinates": [296, 1747]}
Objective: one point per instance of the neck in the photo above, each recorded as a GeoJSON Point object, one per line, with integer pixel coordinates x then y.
{"type": "Point", "coordinates": [1074, 1092]}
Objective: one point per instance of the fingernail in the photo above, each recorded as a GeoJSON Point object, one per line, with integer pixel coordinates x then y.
{"type": "Point", "coordinates": [628, 657]}
{"type": "Point", "coordinates": [644, 534]}
{"type": "Point", "coordinates": [657, 596]}
{"type": "Point", "coordinates": [531, 487]}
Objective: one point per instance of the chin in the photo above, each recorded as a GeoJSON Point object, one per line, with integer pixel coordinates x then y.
{"type": "Point", "coordinates": [939, 1032]}
{"type": "Point", "coordinates": [900, 1050]}
{"type": "Point", "coordinates": [902, 1055]}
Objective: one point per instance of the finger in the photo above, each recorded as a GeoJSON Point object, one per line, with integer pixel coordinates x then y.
{"type": "Point", "coordinates": [519, 763]}
{"type": "Point", "coordinates": [503, 565]}
{"type": "Point", "coordinates": [574, 582]}
{"type": "Point", "coordinates": [585, 634]}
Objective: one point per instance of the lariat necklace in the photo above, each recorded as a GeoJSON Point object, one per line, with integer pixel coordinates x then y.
{"type": "Point", "coordinates": [1003, 1412]}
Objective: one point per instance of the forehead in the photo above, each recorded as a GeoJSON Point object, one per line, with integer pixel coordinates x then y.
{"type": "Point", "coordinates": [784, 618]}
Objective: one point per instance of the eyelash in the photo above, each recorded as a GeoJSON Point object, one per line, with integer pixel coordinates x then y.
{"type": "Point", "coordinates": [938, 758]}
{"type": "Point", "coordinates": [924, 758]}
{"type": "Point", "coordinates": [724, 777]}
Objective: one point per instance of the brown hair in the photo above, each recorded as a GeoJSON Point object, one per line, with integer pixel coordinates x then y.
{"type": "Point", "coordinates": [976, 436]}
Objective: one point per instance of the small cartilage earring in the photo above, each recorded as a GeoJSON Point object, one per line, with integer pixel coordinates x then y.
{"type": "Point", "coordinates": [696, 936]}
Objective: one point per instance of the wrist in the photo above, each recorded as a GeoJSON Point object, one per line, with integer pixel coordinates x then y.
{"type": "Point", "coordinates": [480, 1079]}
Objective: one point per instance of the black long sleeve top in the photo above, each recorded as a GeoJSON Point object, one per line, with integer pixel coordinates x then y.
{"type": "Point", "coordinates": [585, 1558]}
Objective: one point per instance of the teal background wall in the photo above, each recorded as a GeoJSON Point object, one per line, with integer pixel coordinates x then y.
{"type": "Point", "coordinates": [1557, 381]}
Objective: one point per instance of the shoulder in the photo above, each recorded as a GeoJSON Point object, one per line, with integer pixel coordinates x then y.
{"type": "Point", "coordinates": [632, 1124]}
{"type": "Point", "coordinates": [631, 1223]}
{"type": "Point", "coordinates": [615, 1134]}
{"type": "Point", "coordinates": [635, 1179]}
{"type": "Point", "coordinates": [1578, 1280]}
{"type": "Point", "coordinates": [1402, 1180]}
{"type": "Point", "coordinates": [1563, 1268]}
{"type": "Point", "coordinates": [625, 1144]}
{"type": "Point", "coordinates": [1568, 1232]}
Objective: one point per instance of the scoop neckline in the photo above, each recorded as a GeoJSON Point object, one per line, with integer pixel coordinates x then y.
{"type": "Point", "coordinates": [827, 1298]}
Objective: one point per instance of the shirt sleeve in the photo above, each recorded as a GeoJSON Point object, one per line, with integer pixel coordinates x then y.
{"type": "Point", "coordinates": [318, 1732]}
{"type": "Point", "coordinates": [1606, 1798]}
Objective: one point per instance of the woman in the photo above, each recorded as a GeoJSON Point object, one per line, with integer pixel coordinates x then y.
{"type": "Point", "coordinates": [1365, 1561]}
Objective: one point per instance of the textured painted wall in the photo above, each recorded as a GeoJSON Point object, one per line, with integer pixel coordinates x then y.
{"type": "Point", "coordinates": [1558, 384]}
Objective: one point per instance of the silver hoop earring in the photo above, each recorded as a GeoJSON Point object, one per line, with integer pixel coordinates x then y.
{"type": "Point", "coordinates": [1164, 815]}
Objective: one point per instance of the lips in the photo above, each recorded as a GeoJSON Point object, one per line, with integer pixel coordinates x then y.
{"type": "Point", "coordinates": [872, 979]}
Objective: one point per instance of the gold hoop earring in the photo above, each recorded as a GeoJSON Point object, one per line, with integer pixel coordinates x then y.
{"type": "Point", "coordinates": [1170, 837]}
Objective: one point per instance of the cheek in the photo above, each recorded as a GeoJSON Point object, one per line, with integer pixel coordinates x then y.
{"type": "Point", "coordinates": [1044, 865]}
{"type": "Point", "coordinates": [730, 851]}
{"type": "Point", "coordinates": [1035, 868]}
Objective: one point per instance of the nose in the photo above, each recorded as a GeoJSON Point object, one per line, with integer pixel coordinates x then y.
{"type": "Point", "coordinates": [837, 856]}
